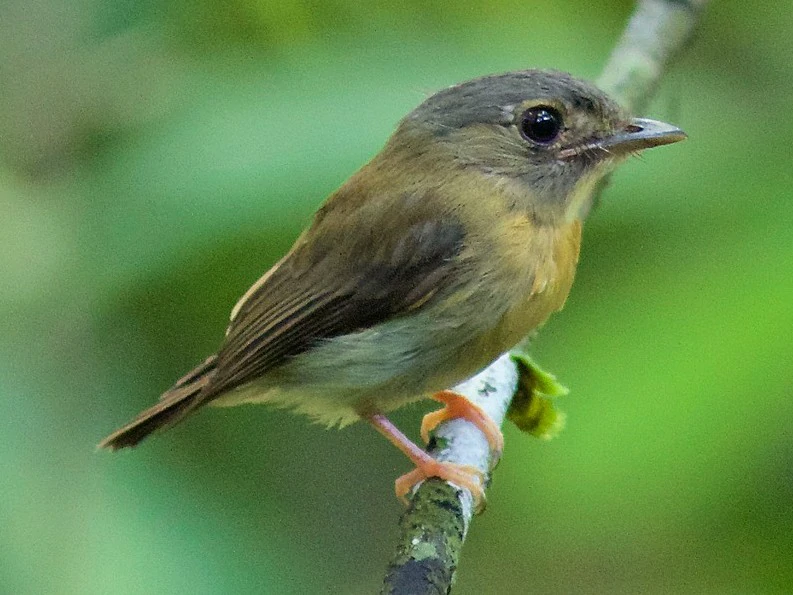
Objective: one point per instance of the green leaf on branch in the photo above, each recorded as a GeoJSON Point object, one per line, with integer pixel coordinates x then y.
{"type": "Point", "coordinates": [532, 408]}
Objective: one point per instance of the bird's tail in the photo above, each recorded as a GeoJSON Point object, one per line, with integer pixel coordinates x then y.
{"type": "Point", "coordinates": [173, 406]}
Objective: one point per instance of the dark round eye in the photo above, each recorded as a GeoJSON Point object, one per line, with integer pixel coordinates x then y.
{"type": "Point", "coordinates": [541, 124]}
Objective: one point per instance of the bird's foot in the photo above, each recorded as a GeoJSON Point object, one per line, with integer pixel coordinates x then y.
{"type": "Point", "coordinates": [464, 476]}
{"type": "Point", "coordinates": [456, 405]}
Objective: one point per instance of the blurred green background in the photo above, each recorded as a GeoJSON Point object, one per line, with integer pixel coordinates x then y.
{"type": "Point", "coordinates": [157, 157]}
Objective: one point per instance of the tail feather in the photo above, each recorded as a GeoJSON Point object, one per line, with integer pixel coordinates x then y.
{"type": "Point", "coordinates": [174, 405]}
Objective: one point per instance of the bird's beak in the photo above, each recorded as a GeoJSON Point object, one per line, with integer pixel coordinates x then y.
{"type": "Point", "coordinates": [640, 134]}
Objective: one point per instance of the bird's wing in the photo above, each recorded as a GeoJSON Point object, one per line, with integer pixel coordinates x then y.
{"type": "Point", "coordinates": [331, 284]}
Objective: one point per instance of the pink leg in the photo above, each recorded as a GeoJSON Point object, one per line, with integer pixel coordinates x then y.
{"type": "Point", "coordinates": [464, 476]}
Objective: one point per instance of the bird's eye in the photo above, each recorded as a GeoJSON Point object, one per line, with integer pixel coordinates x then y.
{"type": "Point", "coordinates": [541, 124]}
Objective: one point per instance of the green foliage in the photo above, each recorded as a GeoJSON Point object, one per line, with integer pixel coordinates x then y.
{"type": "Point", "coordinates": [157, 157]}
{"type": "Point", "coordinates": [532, 409]}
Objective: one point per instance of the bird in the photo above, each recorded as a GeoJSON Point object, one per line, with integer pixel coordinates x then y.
{"type": "Point", "coordinates": [458, 239]}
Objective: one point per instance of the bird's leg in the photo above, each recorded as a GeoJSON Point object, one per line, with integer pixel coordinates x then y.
{"type": "Point", "coordinates": [465, 476]}
{"type": "Point", "coordinates": [456, 405]}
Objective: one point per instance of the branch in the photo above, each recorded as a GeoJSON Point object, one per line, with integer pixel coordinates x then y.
{"type": "Point", "coordinates": [656, 33]}
{"type": "Point", "coordinates": [434, 527]}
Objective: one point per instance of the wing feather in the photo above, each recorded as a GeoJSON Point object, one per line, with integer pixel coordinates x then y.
{"type": "Point", "coordinates": [298, 303]}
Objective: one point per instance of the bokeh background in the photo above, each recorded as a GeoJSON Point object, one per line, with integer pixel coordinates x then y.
{"type": "Point", "coordinates": [157, 156]}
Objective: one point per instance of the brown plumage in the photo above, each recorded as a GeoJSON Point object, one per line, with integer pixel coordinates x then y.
{"type": "Point", "coordinates": [454, 242]}
{"type": "Point", "coordinates": [173, 405]}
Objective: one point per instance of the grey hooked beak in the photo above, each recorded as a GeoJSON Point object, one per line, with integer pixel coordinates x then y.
{"type": "Point", "coordinates": [642, 133]}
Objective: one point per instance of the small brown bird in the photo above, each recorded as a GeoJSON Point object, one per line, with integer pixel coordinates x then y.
{"type": "Point", "coordinates": [459, 238]}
